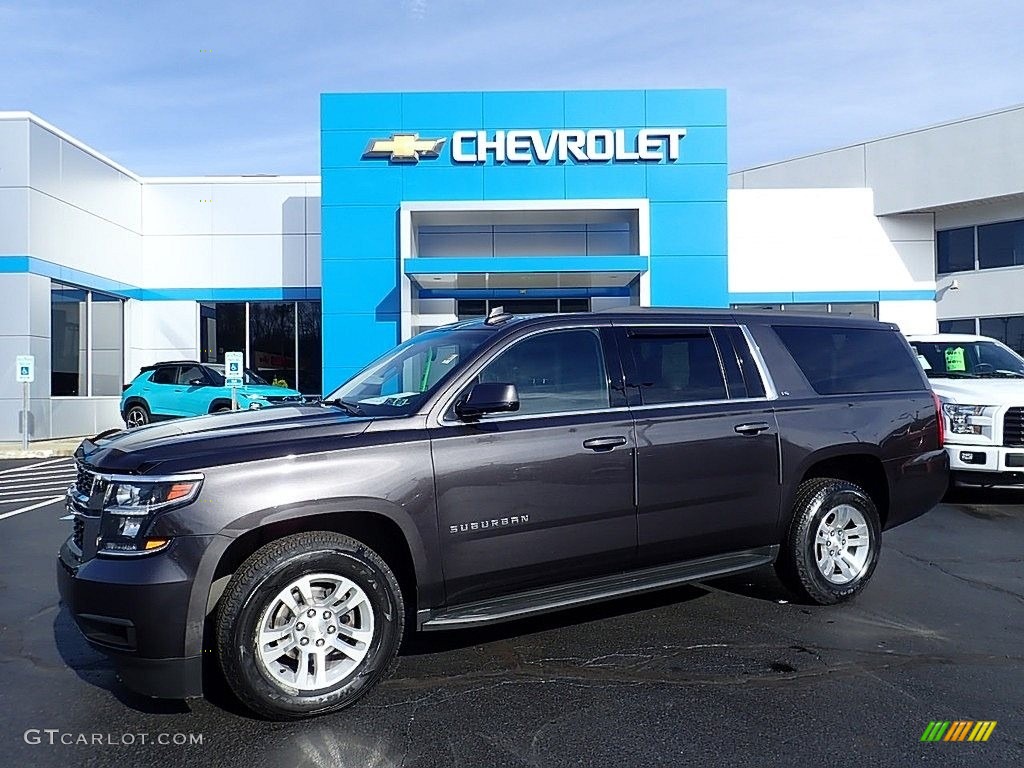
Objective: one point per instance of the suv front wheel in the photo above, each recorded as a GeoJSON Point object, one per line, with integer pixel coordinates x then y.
{"type": "Point", "coordinates": [832, 546]}
{"type": "Point", "coordinates": [308, 625]}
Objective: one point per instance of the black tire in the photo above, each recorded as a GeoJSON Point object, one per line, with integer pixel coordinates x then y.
{"type": "Point", "coordinates": [797, 565]}
{"type": "Point", "coordinates": [221, 409]}
{"type": "Point", "coordinates": [139, 414]}
{"type": "Point", "coordinates": [256, 585]}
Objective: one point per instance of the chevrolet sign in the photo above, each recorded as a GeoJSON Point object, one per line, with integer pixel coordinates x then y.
{"type": "Point", "coordinates": [596, 145]}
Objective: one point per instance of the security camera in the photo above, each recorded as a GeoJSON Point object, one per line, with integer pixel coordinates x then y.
{"type": "Point", "coordinates": [955, 285]}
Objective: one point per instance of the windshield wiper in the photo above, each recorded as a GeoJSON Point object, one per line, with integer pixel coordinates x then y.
{"type": "Point", "coordinates": [1003, 374]}
{"type": "Point", "coordinates": [352, 409]}
{"type": "Point", "coordinates": [951, 375]}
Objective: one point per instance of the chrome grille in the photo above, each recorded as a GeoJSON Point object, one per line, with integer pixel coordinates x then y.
{"type": "Point", "coordinates": [83, 480]}
{"type": "Point", "coordinates": [1013, 427]}
{"type": "Point", "coordinates": [78, 533]}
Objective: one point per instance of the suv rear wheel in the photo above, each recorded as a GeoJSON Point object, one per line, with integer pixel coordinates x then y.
{"type": "Point", "coordinates": [308, 625]}
{"type": "Point", "coordinates": [832, 546]}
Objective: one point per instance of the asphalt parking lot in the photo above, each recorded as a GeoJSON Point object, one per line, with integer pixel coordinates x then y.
{"type": "Point", "coordinates": [729, 673]}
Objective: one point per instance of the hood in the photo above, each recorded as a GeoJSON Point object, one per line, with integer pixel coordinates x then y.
{"type": "Point", "coordinates": [981, 391]}
{"type": "Point", "coordinates": [220, 438]}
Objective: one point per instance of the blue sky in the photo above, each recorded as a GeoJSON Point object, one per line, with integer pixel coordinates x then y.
{"type": "Point", "coordinates": [211, 88]}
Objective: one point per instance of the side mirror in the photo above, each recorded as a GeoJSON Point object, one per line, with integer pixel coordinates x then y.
{"type": "Point", "coordinates": [488, 397]}
{"type": "Point", "coordinates": [196, 382]}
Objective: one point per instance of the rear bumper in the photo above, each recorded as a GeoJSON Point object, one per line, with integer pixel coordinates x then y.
{"type": "Point", "coordinates": [918, 486]}
{"type": "Point", "coordinates": [135, 610]}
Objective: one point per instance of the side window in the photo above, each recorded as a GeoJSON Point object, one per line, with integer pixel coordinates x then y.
{"type": "Point", "coordinates": [676, 365]}
{"type": "Point", "coordinates": [166, 375]}
{"type": "Point", "coordinates": [845, 360]}
{"type": "Point", "coordinates": [188, 372]}
{"type": "Point", "coordinates": [554, 372]}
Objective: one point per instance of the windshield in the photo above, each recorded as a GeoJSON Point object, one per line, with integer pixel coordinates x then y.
{"type": "Point", "coordinates": [397, 383]}
{"type": "Point", "coordinates": [968, 359]}
{"type": "Point", "coordinates": [217, 374]}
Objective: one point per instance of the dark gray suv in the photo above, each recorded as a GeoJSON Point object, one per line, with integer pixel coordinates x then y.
{"type": "Point", "coordinates": [491, 470]}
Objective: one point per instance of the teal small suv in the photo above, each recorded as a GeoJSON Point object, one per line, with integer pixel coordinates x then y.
{"type": "Point", "coordinates": [189, 388]}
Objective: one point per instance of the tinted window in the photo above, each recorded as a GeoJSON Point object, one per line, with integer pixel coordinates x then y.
{"type": "Point", "coordinates": [955, 250]}
{"type": "Point", "coordinates": [553, 372]}
{"type": "Point", "coordinates": [1009, 330]}
{"type": "Point", "coordinates": [676, 366]}
{"type": "Point", "coordinates": [958, 326]}
{"type": "Point", "coordinates": [189, 372]}
{"type": "Point", "coordinates": [166, 375]}
{"type": "Point", "coordinates": [1001, 245]}
{"type": "Point", "coordinates": [851, 360]}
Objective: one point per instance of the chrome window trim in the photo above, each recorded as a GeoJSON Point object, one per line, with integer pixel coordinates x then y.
{"type": "Point", "coordinates": [691, 403]}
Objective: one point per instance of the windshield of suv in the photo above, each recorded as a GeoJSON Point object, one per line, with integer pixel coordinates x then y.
{"type": "Point", "coordinates": [217, 374]}
{"type": "Point", "coordinates": [397, 383]}
{"type": "Point", "coordinates": [968, 359]}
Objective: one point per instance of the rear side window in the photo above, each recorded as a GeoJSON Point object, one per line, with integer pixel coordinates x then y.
{"type": "Point", "coordinates": [839, 361]}
{"type": "Point", "coordinates": [676, 365]}
{"type": "Point", "coordinates": [189, 373]}
{"type": "Point", "coordinates": [166, 375]}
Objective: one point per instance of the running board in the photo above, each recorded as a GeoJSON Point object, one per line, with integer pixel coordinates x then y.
{"type": "Point", "coordinates": [578, 593]}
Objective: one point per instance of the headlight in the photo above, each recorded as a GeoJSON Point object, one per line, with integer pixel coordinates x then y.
{"type": "Point", "coordinates": [130, 505]}
{"type": "Point", "coordinates": [967, 419]}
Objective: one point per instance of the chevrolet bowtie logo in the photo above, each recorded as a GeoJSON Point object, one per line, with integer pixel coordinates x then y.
{"type": "Point", "coordinates": [404, 148]}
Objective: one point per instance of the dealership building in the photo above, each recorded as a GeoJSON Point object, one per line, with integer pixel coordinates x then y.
{"type": "Point", "coordinates": [432, 207]}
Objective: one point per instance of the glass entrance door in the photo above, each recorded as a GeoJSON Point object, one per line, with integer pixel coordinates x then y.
{"type": "Point", "coordinates": [469, 308]}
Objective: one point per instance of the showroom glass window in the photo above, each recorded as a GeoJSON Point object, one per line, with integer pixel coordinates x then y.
{"type": "Point", "coordinates": [1009, 330]}
{"type": "Point", "coordinates": [1001, 245]}
{"type": "Point", "coordinates": [847, 308]}
{"type": "Point", "coordinates": [954, 250]}
{"type": "Point", "coordinates": [86, 342]}
{"type": "Point", "coordinates": [958, 326]}
{"type": "Point", "coordinates": [281, 340]}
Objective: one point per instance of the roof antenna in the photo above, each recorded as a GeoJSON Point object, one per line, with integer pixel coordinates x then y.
{"type": "Point", "coordinates": [497, 316]}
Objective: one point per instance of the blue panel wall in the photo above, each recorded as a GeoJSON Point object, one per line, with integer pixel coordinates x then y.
{"type": "Point", "coordinates": [361, 196]}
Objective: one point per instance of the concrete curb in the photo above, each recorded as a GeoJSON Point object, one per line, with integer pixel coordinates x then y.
{"type": "Point", "coordinates": [44, 449]}
{"type": "Point", "coordinates": [47, 453]}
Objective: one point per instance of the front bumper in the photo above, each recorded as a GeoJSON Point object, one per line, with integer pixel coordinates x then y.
{"type": "Point", "coordinates": [136, 610]}
{"type": "Point", "coordinates": [987, 464]}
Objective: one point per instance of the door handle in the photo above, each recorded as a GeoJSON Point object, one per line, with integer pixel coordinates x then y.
{"type": "Point", "coordinates": [604, 443]}
{"type": "Point", "coordinates": [752, 428]}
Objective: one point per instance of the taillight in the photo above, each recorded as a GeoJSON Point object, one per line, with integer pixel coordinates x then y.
{"type": "Point", "coordinates": [939, 419]}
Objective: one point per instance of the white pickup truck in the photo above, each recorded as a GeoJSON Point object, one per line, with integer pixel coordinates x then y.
{"type": "Point", "coordinates": [980, 382]}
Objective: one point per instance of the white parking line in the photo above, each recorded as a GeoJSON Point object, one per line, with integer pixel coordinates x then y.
{"type": "Point", "coordinates": [23, 499]}
{"type": "Point", "coordinates": [9, 479]}
{"type": "Point", "coordinates": [46, 472]}
{"type": "Point", "coordinates": [33, 466]}
{"type": "Point", "coordinates": [45, 503]}
{"type": "Point", "coordinates": [37, 489]}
